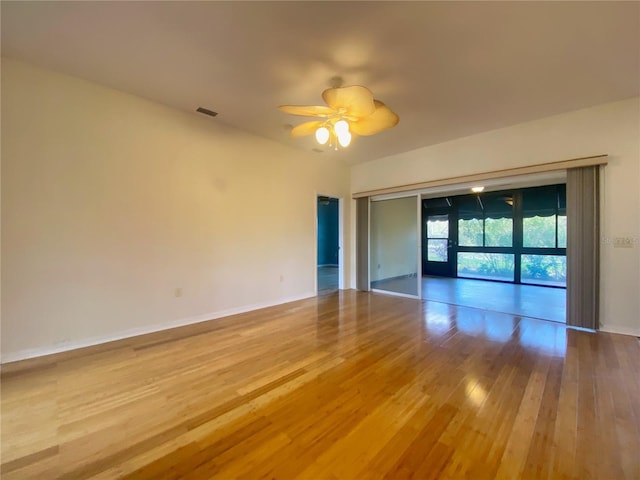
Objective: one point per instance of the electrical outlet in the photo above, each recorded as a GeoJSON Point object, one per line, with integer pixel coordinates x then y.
{"type": "Point", "coordinates": [178, 292]}
{"type": "Point", "coordinates": [623, 242]}
{"type": "Point", "coordinates": [281, 278]}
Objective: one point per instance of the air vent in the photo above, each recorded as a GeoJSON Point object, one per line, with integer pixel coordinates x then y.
{"type": "Point", "coordinates": [317, 150]}
{"type": "Point", "coordinates": [206, 111]}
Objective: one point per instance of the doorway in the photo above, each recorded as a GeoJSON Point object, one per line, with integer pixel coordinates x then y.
{"type": "Point", "coordinates": [438, 254]}
{"type": "Point", "coordinates": [501, 250]}
{"type": "Point", "coordinates": [328, 244]}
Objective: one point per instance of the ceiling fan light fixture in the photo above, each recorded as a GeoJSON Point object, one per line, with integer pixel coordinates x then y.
{"type": "Point", "coordinates": [349, 110]}
{"type": "Point", "coordinates": [341, 127]}
{"type": "Point", "coordinates": [344, 139]}
{"type": "Point", "coordinates": [322, 135]}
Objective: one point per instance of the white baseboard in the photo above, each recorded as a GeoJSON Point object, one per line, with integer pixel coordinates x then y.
{"type": "Point", "coordinates": [134, 332]}
{"type": "Point", "coordinates": [621, 329]}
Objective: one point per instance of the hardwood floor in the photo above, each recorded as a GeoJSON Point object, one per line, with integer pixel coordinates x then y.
{"type": "Point", "coordinates": [343, 386]}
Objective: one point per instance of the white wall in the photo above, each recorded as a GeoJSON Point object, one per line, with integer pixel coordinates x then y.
{"type": "Point", "coordinates": [111, 202]}
{"type": "Point", "coordinates": [613, 128]}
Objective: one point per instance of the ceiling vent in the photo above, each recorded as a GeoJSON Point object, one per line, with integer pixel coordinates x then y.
{"type": "Point", "coordinates": [206, 111]}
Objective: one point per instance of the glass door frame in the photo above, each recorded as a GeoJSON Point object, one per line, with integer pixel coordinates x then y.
{"type": "Point", "coordinates": [418, 232]}
{"type": "Point", "coordinates": [445, 268]}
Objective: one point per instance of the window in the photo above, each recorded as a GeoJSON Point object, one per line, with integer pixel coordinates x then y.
{"type": "Point", "coordinates": [498, 232]}
{"type": "Point", "coordinates": [512, 235]}
{"type": "Point", "coordinates": [544, 270]}
{"type": "Point", "coordinates": [485, 220]}
{"type": "Point", "coordinates": [437, 250]}
{"type": "Point", "coordinates": [544, 222]}
{"type": "Point", "coordinates": [562, 230]}
{"type": "Point", "coordinates": [470, 232]}
{"type": "Point", "coordinates": [498, 220]}
{"type": "Point", "coordinates": [437, 238]}
{"type": "Point", "coordinates": [489, 266]}
{"type": "Point", "coordinates": [438, 226]}
{"type": "Point", "coordinates": [544, 236]}
{"type": "Point", "coordinates": [539, 232]}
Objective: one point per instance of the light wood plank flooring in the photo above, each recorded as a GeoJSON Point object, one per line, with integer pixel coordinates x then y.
{"type": "Point", "coordinates": [343, 386]}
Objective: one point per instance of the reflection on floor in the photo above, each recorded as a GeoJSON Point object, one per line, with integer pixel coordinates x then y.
{"type": "Point", "coordinates": [407, 284]}
{"type": "Point", "coordinates": [531, 333]}
{"type": "Point", "coordinates": [349, 385]}
{"type": "Point", "coordinates": [524, 300]}
{"type": "Point", "coordinates": [327, 279]}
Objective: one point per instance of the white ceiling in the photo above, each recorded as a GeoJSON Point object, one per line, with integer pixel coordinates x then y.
{"type": "Point", "coordinates": [449, 69]}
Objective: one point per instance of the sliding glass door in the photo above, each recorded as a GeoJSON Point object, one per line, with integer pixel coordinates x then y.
{"type": "Point", "coordinates": [395, 246]}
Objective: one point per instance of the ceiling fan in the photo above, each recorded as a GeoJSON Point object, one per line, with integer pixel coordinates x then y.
{"type": "Point", "coordinates": [350, 110]}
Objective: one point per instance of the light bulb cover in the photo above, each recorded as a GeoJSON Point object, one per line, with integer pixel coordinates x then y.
{"type": "Point", "coordinates": [344, 139]}
{"type": "Point", "coordinates": [322, 135]}
{"type": "Point", "coordinates": [341, 127]}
